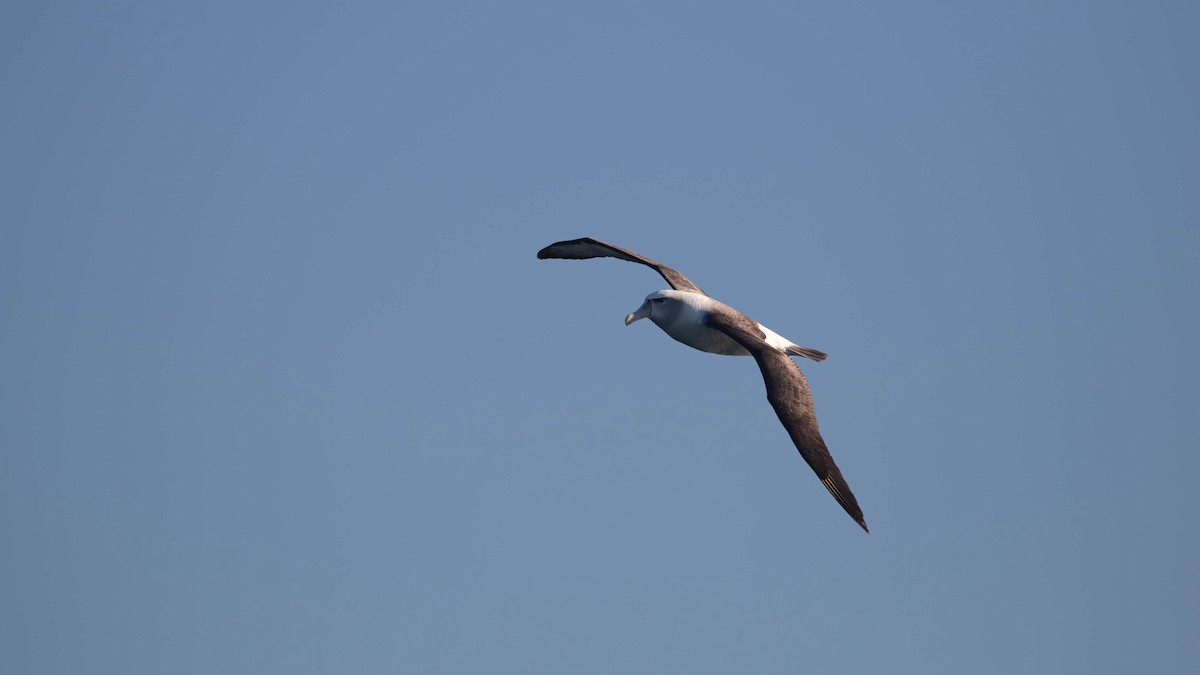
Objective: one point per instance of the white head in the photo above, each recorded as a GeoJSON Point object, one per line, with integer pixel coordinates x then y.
{"type": "Point", "coordinates": [660, 307]}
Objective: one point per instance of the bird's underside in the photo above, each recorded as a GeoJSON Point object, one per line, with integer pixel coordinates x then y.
{"type": "Point", "coordinates": [787, 390]}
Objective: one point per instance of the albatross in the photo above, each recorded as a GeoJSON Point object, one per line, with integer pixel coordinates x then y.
{"type": "Point", "coordinates": [689, 315]}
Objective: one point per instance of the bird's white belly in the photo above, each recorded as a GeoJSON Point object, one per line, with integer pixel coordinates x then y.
{"type": "Point", "coordinates": [689, 328]}
{"type": "Point", "coordinates": [697, 335]}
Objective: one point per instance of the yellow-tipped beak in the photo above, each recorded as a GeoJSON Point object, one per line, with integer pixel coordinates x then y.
{"type": "Point", "coordinates": [641, 313]}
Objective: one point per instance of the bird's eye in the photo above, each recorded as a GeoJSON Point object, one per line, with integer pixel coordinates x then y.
{"type": "Point", "coordinates": [656, 299]}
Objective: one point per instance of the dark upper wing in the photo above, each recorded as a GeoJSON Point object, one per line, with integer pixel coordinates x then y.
{"type": "Point", "coordinates": [581, 249]}
{"type": "Point", "coordinates": [788, 392]}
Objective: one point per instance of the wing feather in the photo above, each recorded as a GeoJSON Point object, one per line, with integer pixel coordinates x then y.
{"type": "Point", "coordinates": [582, 249]}
{"type": "Point", "coordinates": [788, 392]}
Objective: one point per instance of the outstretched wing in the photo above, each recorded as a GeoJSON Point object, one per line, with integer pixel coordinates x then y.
{"type": "Point", "coordinates": [582, 249]}
{"type": "Point", "coordinates": [788, 392]}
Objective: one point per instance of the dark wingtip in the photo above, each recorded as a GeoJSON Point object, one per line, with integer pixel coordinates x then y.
{"type": "Point", "coordinates": [849, 504]}
{"type": "Point", "coordinates": [556, 250]}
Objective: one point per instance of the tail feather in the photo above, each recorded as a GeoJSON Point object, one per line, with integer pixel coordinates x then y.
{"type": "Point", "coordinates": [797, 350]}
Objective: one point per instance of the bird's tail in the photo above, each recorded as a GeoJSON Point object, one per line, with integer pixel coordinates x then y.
{"type": "Point", "coordinates": [797, 350]}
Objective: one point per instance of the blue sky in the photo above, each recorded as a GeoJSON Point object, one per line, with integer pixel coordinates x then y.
{"type": "Point", "coordinates": [285, 390]}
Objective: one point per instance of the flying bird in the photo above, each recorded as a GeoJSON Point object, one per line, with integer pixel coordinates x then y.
{"type": "Point", "coordinates": [689, 315]}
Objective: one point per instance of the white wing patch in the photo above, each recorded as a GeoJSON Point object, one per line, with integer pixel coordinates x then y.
{"type": "Point", "coordinates": [776, 340]}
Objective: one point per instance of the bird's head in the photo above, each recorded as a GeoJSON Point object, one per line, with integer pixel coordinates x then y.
{"type": "Point", "coordinates": [654, 308]}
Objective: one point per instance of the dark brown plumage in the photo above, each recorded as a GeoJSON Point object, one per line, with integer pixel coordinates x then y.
{"type": "Point", "coordinates": [585, 248]}
{"type": "Point", "coordinates": [789, 395]}
{"type": "Point", "coordinates": [690, 316]}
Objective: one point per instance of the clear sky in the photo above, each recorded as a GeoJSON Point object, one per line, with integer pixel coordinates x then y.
{"type": "Point", "coordinates": [284, 389]}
